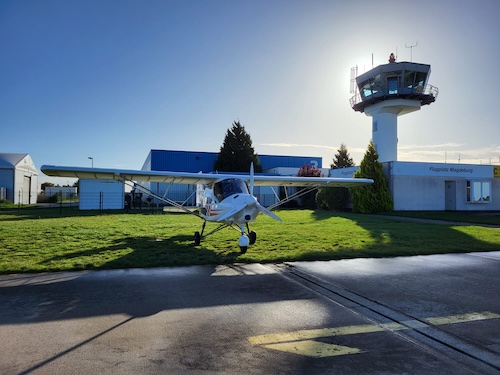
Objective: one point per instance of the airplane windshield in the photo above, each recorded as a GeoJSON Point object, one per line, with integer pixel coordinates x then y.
{"type": "Point", "coordinates": [228, 187]}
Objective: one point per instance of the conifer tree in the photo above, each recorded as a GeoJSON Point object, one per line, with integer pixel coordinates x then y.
{"type": "Point", "coordinates": [342, 158]}
{"type": "Point", "coordinates": [336, 198]}
{"type": "Point", "coordinates": [237, 153]}
{"type": "Point", "coordinates": [375, 197]}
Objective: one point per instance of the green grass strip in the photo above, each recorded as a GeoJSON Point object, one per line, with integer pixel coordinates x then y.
{"type": "Point", "coordinates": [40, 240]}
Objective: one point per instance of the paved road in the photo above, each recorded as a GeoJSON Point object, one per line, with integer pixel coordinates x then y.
{"type": "Point", "coordinates": [435, 314]}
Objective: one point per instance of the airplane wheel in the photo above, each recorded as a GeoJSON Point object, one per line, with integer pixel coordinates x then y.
{"type": "Point", "coordinates": [197, 238]}
{"type": "Point", "coordinates": [243, 249]}
{"type": "Point", "coordinates": [253, 237]}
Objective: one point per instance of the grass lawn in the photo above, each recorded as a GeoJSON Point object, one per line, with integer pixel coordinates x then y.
{"type": "Point", "coordinates": [37, 240]}
{"type": "Point", "coordinates": [488, 218]}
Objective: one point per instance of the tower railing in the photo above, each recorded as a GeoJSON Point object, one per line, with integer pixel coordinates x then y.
{"type": "Point", "coordinates": [426, 95]}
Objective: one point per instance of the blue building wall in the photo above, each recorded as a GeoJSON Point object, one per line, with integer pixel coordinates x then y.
{"type": "Point", "coordinates": [277, 161]}
{"type": "Point", "coordinates": [193, 161]}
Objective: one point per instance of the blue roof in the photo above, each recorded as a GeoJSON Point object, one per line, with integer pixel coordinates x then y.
{"type": "Point", "coordinates": [194, 161]}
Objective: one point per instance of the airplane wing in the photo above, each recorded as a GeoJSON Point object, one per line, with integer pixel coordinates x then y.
{"type": "Point", "coordinates": [309, 181]}
{"type": "Point", "coordinates": [129, 175]}
{"type": "Point", "coordinates": [196, 178]}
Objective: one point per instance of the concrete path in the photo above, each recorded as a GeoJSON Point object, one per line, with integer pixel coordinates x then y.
{"type": "Point", "coordinates": [436, 314]}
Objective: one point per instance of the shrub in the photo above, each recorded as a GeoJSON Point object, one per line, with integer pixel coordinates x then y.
{"type": "Point", "coordinates": [375, 197]}
{"type": "Point", "coordinates": [333, 198]}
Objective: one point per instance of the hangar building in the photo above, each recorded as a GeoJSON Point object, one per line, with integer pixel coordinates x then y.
{"type": "Point", "coordinates": [191, 161]}
{"type": "Point", "coordinates": [104, 194]}
{"type": "Point", "coordinates": [18, 178]}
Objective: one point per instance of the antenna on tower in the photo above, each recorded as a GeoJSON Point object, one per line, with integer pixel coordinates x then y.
{"type": "Point", "coordinates": [354, 74]}
{"type": "Point", "coordinates": [411, 50]}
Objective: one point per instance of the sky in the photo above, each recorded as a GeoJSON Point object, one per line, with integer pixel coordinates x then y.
{"type": "Point", "coordinates": [113, 79]}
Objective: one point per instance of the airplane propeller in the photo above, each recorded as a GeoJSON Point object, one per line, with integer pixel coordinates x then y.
{"type": "Point", "coordinates": [259, 206]}
{"type": "Point", "coordinates": [267, 212]}
{"type": "Point", "coordinates": [251, 178]}
{"type": "Point", "coordinates": [250, 202]}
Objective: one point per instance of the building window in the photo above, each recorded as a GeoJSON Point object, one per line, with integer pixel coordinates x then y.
{"type": "Point", "coordinates": [478, 191]}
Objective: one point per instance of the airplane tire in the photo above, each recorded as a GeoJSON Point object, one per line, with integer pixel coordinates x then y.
{"type": "Point", "coordinates": [253, 237]}
{"type": "Point", "coordinates": [243, 249]}
{"type": "Point", "coordinates": [197, 238]}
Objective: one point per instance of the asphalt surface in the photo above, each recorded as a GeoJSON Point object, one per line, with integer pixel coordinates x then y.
{"type": "Point", "coordinates": [437, 314]}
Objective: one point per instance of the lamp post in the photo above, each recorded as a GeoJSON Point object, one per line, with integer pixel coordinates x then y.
{"type": "Point", "coordinates": [92, 160]}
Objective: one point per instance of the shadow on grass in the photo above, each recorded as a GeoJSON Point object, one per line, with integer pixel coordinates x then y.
{"type": "Point", "coordinates": [143, 252]}
{"type": "Point", "coordinates": [33, 213]}
{"type": "Point", "coordinates": [389, 238]}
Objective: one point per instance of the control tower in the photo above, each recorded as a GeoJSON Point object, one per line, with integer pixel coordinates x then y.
{"type": "Point", "coordinates": [389, 91]}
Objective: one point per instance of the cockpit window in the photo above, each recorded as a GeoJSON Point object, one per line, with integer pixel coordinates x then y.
{"type": "Point", "coordinates": [228, 187]}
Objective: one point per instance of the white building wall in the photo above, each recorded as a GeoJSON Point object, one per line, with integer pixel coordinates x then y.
{"type": "Point", "coordinates": [25, 187]}
{"type": "Point", "coordinates": [439, 186]}
{"type": "Point", "coordinates": [418, 193]}
{"type": "Point", "coordinates": [435, 186]}
{"type": "Point", "coordinates": [21, 180]}
{"type": "Point", "coordinates": [101, 195]}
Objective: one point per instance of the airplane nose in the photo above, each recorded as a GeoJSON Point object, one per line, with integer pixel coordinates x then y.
{"type": "Point", "coordinates": [250, 201]}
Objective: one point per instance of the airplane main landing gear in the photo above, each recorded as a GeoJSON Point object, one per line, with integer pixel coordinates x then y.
{"type": "Point", "coordinates": [197, 235]}
{"type": "Point", "coordinates": [197, 238]}
{"type": "Point", "coordinates": [253, 237]}
{"type": "Point", "coordinates": [244, 241]}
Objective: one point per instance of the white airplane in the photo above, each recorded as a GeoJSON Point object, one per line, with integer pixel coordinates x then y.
{"type": "Point", "coordinates": [222, 198]}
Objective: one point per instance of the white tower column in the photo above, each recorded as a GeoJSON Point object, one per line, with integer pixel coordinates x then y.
{"type": "Point", "coordinates": [385, 125]}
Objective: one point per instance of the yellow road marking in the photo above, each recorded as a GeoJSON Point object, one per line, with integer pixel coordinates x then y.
{"type": "Point", "coordinates": [314, 334]}
{"type": "Point", "coordinates": [462, 318]}
{"type": "Point", "coordinates": [313, 348]}
{"type": "Point", "coordinates": [301, 342]}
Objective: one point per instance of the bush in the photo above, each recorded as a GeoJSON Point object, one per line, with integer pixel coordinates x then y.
{"type": "Point", "coordinates": [333, 198]}
{"type": "Point", "coordinates": [5, 203]}
{"type": "Point", "coordinates": [376, 197]}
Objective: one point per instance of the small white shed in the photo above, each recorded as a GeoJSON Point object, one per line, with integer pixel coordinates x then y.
{"type": "Point", "coordinates": [18, 178]}
{"type": "Point", "coordinates": [101, 195]}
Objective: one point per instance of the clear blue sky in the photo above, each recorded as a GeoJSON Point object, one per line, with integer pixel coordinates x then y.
{"type": "Point", "coordinates": [113, 79]}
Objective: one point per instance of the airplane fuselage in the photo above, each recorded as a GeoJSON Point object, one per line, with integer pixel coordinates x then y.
{"type": "Point", "coordinates": [236, 209]}
{"type": "Point", "coordinates": [229, 200]}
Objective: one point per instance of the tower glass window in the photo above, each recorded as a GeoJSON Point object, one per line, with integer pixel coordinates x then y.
{"type": "Point", "coordinates": [409, 79]}
{"type": "Point", "coordinates": [420, 79]}
{"type": "Point", "coordinates": [392, 85]}
{"type": "Point", "coordinates": [404, 80]}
